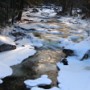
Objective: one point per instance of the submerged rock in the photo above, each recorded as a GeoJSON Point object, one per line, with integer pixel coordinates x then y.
{"type": "Point", "coordinates": [64, 61]}
{"type": "Point", "coordinates": [35, 10]}
{"type": "Point", "coordinates": [86, 55]}
{"type": "Point", "coordinates": [68, 52]}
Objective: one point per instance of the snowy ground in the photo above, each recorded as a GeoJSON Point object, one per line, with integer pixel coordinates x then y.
{"type": "Point", "coordinates": [13, 57]}
{"type": "Point", "coordinates": [75, 76]}
{"type": "Point", "coordinates": [65, 32]}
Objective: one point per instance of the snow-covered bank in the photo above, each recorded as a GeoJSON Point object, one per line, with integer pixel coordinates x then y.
{"type": "Point", "coordinates": [75, 76]}
{"type": "Point", "coordinates": [79, 48]}
{"type": "Point", "coordinates": [41, 13]}
{"type": "Point", "coordinates": [8, 58]}
{"type": "Point", "coordinates": [16, 56]}
{"type": "Point", "coordinates": [5, 70]}
{"type": "Point", "coordinates": [43, 80]}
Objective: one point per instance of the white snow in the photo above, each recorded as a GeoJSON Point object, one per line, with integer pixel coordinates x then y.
{"type": "Point", "coordinates": [16, 56]}
{"type": "Point", "coordinates": [43, 80]}
{"type": "Point", "coordinates": [43, 13]}
{"type": "Point", "coordinates": [75, 76]}
{"type": "Point", "coordinates": [79, 48]}
{"type": "Point", "coordinates": [7, 40]}
{"type": "Point", "coordinates": [5, 70]}
{"type": "Point", "coordinates": [38, 26]}
{"type": "Point", "coordinates": [82, 47]}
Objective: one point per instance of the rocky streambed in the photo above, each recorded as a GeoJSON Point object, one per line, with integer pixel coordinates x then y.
{"type": "Point", "coordinates": [43, 62]}
{"type": "Point", "coordinates": [49, 30]}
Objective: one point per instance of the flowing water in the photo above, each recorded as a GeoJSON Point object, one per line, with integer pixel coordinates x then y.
{"type": "Point", "coordinates": [44, 61]}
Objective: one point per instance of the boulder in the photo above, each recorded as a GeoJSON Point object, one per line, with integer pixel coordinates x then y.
{"type": "Point", "coordinates": [86, 55]}
{"type": "Point", "coordinates": [68, 52]}
{"type": "Point", "coordinates": [64, 61]}
{"type": "Point", "coordinates": [34, 10]}
{"type": "Point", "coordinates": [17, 34]}
{"type": "Point", "coordinates": [7, 47]}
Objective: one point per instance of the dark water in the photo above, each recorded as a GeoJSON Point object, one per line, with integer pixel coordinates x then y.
{"type": "Point", "coordinates": [27, 69]}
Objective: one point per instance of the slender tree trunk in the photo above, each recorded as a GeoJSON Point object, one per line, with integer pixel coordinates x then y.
{"type": "Point", "coordinates": [71, 7]}
{"type": "Point", "coordinates": [13, 10]}
{"type": "Point", "coordinates": [20, 10]}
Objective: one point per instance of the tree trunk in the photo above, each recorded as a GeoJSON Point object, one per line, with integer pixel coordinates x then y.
{"type": "Point", "coordinates": [20, 10]}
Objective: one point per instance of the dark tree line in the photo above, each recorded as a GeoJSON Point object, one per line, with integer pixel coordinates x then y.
{"type": "Point", "coordinates": [13, 8]}
{"type": "Point", "coordinates": [69, 5]}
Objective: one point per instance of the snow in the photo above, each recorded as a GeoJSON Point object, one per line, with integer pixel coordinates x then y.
{"type": "Point", "coordinates": [43, 80]}
{"type": "Point", "coordinates": [74, 38]}
{"type": "Point", "coordinates": [34, 42]}
{"type": "Point", "coordinates": [79, 48]}
{"type": "Point", "coordinates": [5, 70]}
{"type": "Point", "coordinates": [38, 26]}
{"type": "Point", "coordinates": [82, 47]}
{"type": "Point", "coordinates": [76, 25]}
{"type": "Point", "coordinates": [42, 13]}
{"type": "Point", "coordinates": [74, 76]}
{"type": "Point", "coordinates": [7, 40]}
{"type": "Point", "coordinates": [73, 21]}
{"type": "Point", "coordinates": [23, 50]}
{"type": "Point", "coordinates": [16, 56]}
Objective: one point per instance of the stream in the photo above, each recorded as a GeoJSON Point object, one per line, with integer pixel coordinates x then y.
{"type": "Point", "coordinates": [44, 61]}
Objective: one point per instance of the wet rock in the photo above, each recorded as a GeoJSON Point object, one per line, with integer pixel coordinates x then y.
{"type": "Point", "coordinates": [7, 47]}
{"type": "Point", "coordinates": [28, 15]}
{"type": "Point", "coordinates": [64, 61]}
{"type": "Point", "coordinates": [45, 86]}
{"type": "Point", "coordinates": [68, 52]}
{"type": "Point", "coordinates": [86, 55]}
{"type": "Point", "coordinates": [42, 21]}
{"type": "Point", "coordinates": [17, 34]}
{"type": "Point", "coordinates": [35, 10]}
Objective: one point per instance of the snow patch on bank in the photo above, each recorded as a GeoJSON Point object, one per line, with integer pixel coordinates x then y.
{"type": "Point", "coordinates": [23, 50]}
{"type": "Point", "coordinates": [5, 70]}
{"type": "Point", "coordinates": [16, 56]}
{"type": "Point", "coordinates": [6, 39]}
{"type": "Point", "coordinates": [75, 76]}
{"type": "Point", "coordinates": [43, 80]}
